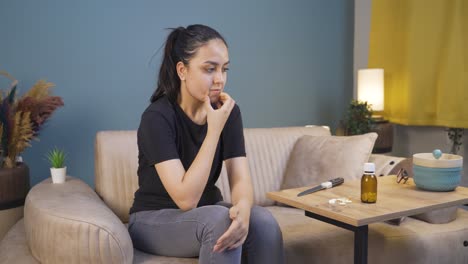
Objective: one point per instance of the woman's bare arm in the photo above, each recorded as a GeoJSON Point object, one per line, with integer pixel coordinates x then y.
{"type": "Point", "coordinates": [186, 187]}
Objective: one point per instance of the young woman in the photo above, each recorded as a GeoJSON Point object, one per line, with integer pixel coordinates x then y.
{"type": "Point", "coordinates": [189, 129]}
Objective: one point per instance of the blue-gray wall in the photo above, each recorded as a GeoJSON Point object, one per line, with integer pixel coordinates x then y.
{"type": "Point", "coordinates": [291, 62]}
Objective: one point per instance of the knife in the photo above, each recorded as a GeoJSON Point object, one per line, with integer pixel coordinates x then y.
{"type": "Point", "coordinates": [324, 185]}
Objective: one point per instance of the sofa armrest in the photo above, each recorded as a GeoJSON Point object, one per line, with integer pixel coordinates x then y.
{"type": "Point", "coordinates": [66, 222]}
{"type": "Point", "coordinates": [385, 165]}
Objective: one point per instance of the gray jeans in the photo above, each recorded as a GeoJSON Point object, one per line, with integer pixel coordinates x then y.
{"type": "Point", "coordinates": [172, 232]}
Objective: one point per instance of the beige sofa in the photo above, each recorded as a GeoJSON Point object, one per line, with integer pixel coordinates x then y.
{"type": "Point", "coordinates": [71, 223]}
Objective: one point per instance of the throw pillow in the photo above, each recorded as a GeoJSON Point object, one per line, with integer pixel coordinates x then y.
{"type": "Point", "coordinates": [315, 159]}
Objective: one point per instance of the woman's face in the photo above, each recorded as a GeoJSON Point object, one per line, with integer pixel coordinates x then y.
{"type": "Point", "coordinates": [206, 73]}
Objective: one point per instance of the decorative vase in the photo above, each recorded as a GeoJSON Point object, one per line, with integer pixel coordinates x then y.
{"type": "Point", "coordinates": [58, 174]}
{"type": "Point", "coordinates": [14, 185]}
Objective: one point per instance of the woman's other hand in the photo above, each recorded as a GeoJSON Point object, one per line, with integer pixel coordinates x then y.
{"type": "Point", "coordinates": [237, 232]}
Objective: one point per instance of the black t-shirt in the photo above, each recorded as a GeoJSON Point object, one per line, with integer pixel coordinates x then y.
{"type": "Point", "coordinates": [165, 133]}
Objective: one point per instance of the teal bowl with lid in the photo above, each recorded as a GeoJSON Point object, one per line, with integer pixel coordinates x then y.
{"type": "Point", "coordinates": [436, 171]}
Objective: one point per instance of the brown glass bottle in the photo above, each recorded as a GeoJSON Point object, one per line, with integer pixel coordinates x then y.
{"type": "Point", "coordinates": [369, 184]}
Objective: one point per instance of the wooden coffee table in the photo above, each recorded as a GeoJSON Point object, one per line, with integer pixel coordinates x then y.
{"type": "Point", "coordinates": [393, 201]}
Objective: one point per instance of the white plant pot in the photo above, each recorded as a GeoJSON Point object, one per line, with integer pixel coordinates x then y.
{"type": "Point", "coordinates": [58, 174]}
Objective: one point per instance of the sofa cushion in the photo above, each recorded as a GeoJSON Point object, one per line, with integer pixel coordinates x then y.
{"type": "Point", "coordinates": [316, 159]}
{"type": "Point", "coordinates": [439, 216]}
{"type": "Point", "coordinates": [307, 240]}
{"type": "Point", "coordinates": [14, 248]}
{"type": "Point", "coordinates": [68, 222]}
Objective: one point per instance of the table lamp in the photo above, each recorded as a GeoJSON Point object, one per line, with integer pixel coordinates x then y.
{"type": "Point", "coordinates": [371, 89]}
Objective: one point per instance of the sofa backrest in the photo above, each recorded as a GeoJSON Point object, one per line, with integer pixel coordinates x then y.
{"type": "Point", "coordinates": [268, 149]}
{"type": "Point", "coordinates": [115, 169]}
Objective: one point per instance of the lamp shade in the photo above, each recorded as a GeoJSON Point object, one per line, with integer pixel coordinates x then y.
{"type": "Point", "coordinates": [371, 87]}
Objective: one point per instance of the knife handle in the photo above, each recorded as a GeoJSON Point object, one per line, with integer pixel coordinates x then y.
{"type": "Point", "coordinates": [336, 181]}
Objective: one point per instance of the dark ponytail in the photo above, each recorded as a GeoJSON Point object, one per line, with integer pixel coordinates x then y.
{"type": "Point", "coordinates": [181, 45]}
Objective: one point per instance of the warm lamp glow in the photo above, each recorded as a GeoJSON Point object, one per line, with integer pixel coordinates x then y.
{"type": "Point", "coordinates": [371, 87]}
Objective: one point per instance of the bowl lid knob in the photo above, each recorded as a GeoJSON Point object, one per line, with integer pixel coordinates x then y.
{"type": "Point", "coordinates": [437, 153]}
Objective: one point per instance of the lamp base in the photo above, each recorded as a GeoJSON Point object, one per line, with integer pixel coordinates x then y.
{"type": "Point", "coordinates": [384, 130]}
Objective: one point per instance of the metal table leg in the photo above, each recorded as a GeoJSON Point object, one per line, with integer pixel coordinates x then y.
{"type": "Point", "coordinates": [360, 236]}
{"type": "Point", "coordinates": [360, 244]}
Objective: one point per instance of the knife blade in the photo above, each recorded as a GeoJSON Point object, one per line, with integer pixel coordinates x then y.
{"type": "Point", "coordinates": [324, 185]}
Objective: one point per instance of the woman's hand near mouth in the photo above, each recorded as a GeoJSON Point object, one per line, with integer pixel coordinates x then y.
{"type": "Point", "coordinates": [216, 118]}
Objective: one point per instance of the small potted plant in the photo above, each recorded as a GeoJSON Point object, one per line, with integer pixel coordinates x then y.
{"type": "Point", "coordinates": [456, 138]}
{"type": "Point", "coordinates": [58, 170]}
{"type": "Point", "coordinates": [358, 119]}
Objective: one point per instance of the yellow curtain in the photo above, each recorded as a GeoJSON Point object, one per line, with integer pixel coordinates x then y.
{"type": "Point", "coordinates": [423, 47]}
